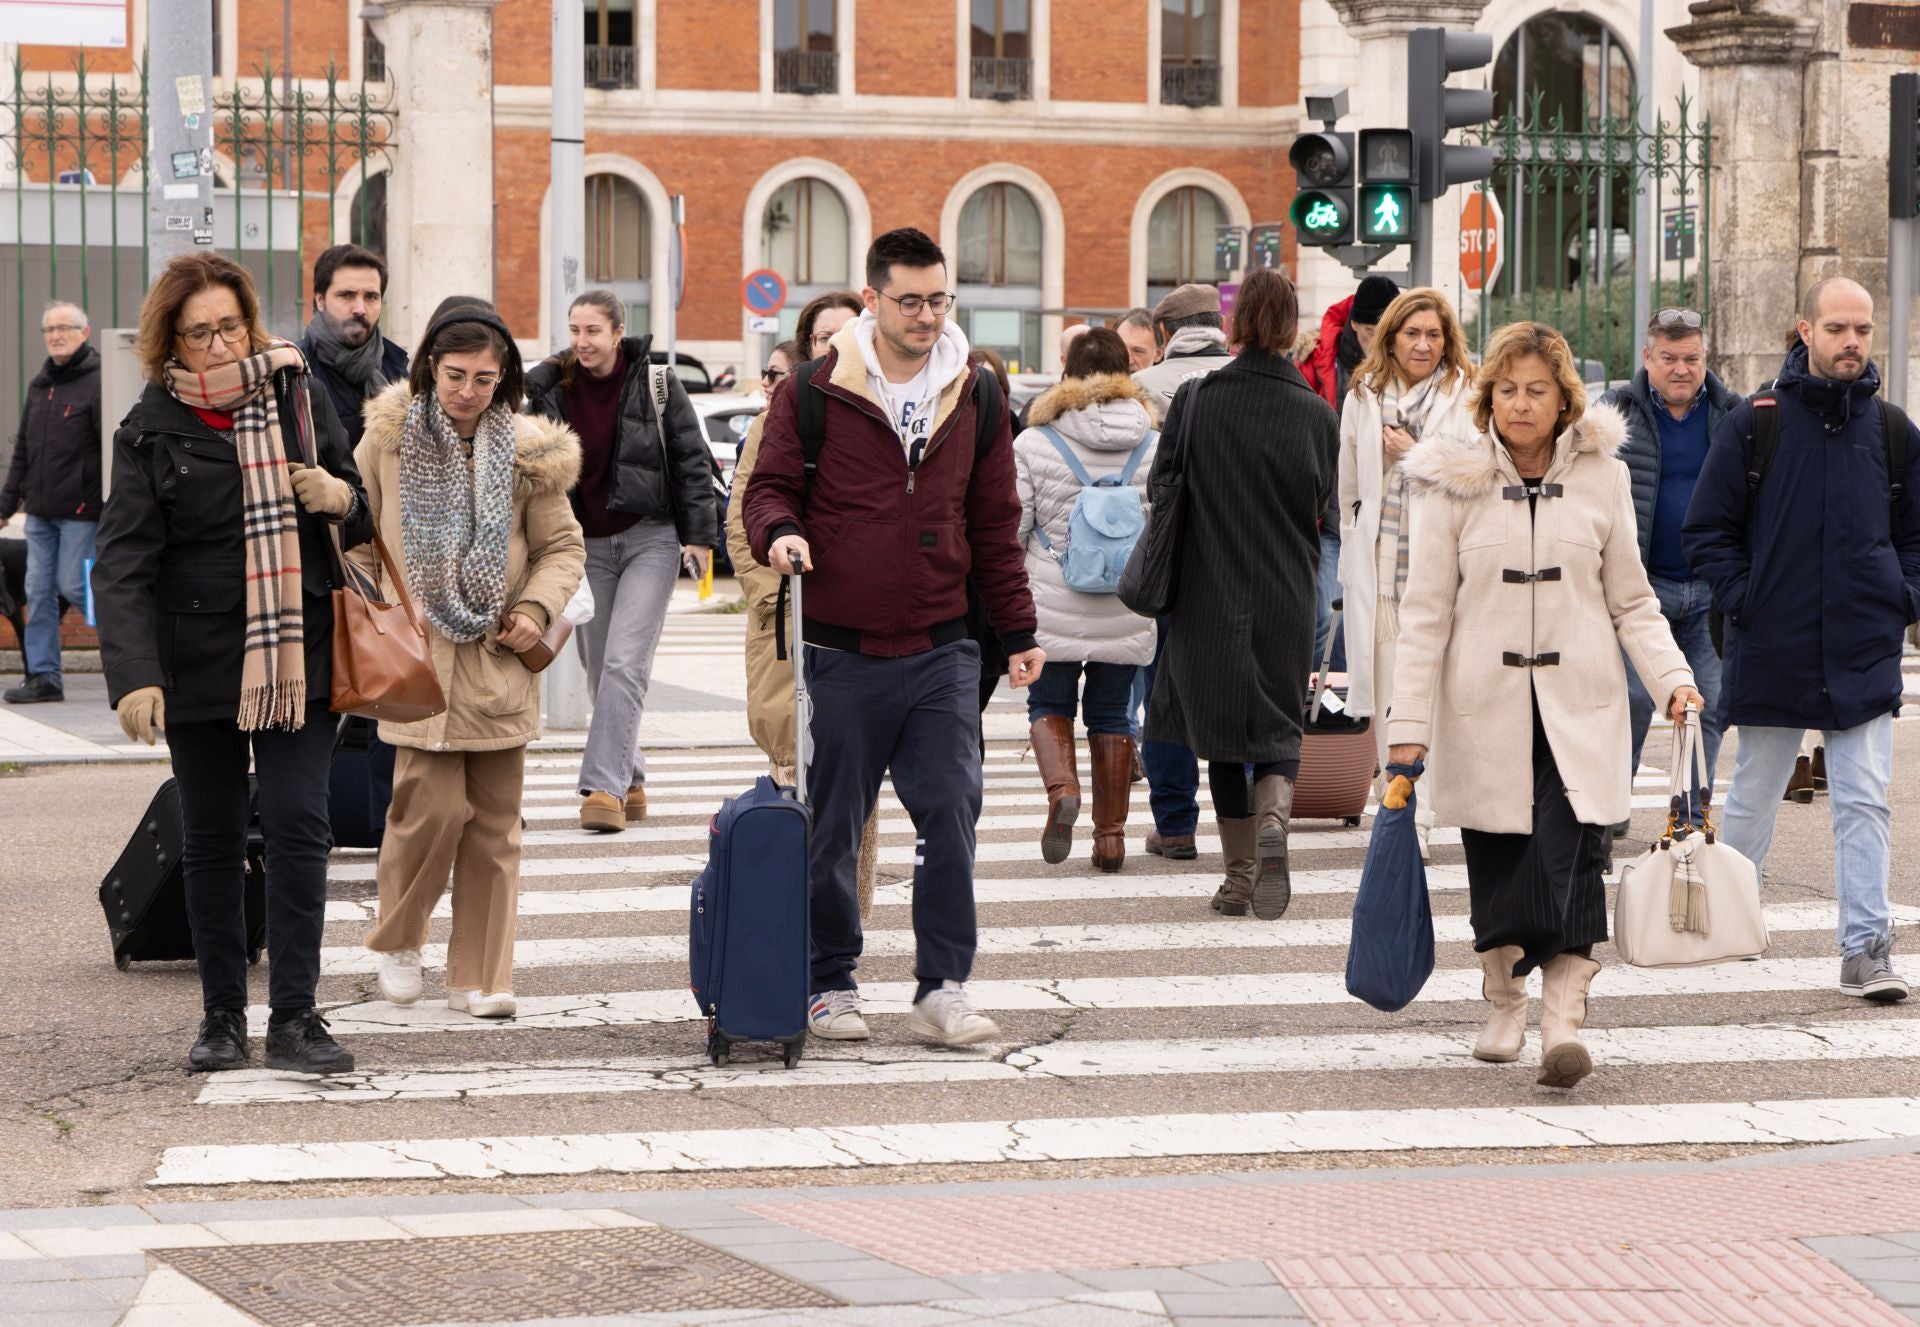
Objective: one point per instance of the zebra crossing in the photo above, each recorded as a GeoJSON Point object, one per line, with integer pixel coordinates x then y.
{"type": "Point", "coordinates": [1139, 1027]}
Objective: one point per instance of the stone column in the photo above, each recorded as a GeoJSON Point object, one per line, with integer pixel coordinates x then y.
{"type": "Point", "coordinates": [1379, 83]}
{"type": "Point", "coordinates": [1752, 57]}
{"type": "Point", "coordinates": [440, 198]}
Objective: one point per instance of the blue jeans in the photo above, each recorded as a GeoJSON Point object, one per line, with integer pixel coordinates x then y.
{"type": "Point", "coordinates": [1684, 604]}
{"type": "Point", "coordinates": [57, 557]}
{"type": "Point", "coordinates": [1108, 697]}
{"type": "Point", "coordinates": [1326, 590]}
{"type": "Point", "coordinates": [1859, 768]}
{"type": "Point", "coordinates": [1173, 773]}
{"type": "Point", "coordinates": [1137, 703]}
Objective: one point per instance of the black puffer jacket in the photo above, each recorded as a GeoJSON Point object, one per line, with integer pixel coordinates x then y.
{"type": "Point", "coordinates": [170, 581]}
{"type": "Point", "coordinates": [56, 458]}
{"type": "Point", "coordinates": [674, 483]}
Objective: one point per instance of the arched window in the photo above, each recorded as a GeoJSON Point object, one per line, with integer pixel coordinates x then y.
{"type": "Point", "coordinates": [367, 215]}
{"type": "Point", "coordinates": [1180, 239]}
{"type": "Point", "coordinates": [620, 246]}
{"type": "Point", "coordinates": [998, 269]}
{"type": "Point", "coordinates": [805, 237]}
{"type": "Point", "coordinates": [1573, 63]}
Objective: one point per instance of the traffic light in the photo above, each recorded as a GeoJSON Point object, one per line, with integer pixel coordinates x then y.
{"type": "Point", "coordinates": [1433, 108]}
{"type": "Point", "coordinates": [1385, 205]}
{"type": "Point", "coordinates": [1903, 148]}
{"type": "Point", "coordinates": [1323, 187]}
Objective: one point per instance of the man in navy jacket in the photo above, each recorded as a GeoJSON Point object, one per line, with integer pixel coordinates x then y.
{"type": "Point", "coordinates": [1817, 577]}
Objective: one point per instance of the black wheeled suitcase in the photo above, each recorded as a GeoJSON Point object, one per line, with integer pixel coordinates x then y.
{"type": "Point", "coordinates": [750, 933]}
{"type": "Point", "coordinates": [144, 895]}
{"type": "Point", "coordinates": [360, 785]}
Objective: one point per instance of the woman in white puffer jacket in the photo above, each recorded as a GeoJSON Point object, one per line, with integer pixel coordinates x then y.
{"type": "Point", "coordinates": [1108, 422]}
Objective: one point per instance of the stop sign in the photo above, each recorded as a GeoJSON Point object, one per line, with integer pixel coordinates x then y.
{"type": "Point", "coordinates": [1482, 223]}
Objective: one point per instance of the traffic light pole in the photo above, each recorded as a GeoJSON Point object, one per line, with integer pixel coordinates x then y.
{"type": "Point", "coordinates": [1900, 300]}
{"type": "Point", "coordinates": [1420, 256]}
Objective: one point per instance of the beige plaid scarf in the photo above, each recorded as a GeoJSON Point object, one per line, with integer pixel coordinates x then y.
{"type": "Point", "coordinates": [273, 680]}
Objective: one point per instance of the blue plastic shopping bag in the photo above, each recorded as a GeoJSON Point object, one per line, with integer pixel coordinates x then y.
{"type": "Point", "coordinates": [1391, 954]}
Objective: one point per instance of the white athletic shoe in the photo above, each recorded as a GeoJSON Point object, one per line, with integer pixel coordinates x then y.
{"type": "Point", "coordinates": [482, 1004]}
{"type": "Point", "coordinates": [949, 1018]}
{"type": "Point", "coordinates": [399, 976]}
{"type": "Point", "coordinates": [835, 1015]}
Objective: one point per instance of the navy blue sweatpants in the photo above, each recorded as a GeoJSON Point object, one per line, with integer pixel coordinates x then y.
{"type": "Point", "coordinates": [918, 717]}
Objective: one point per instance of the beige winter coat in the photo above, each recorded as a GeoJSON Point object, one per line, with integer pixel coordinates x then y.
{"type": "Point", "coordinates": [1102, 419]}
{"type": "Point", "coordinates": [493, 702]}
{"type": "Point", "coordinates": [1362, 475]}
{"type": "Point", "coordinates": [770, 718]}
{"type": "Point", "coordinates": [1464, 626]}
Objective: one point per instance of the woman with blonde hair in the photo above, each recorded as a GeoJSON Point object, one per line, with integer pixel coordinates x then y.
{"type": "Point", "coordinates": [1413, 384]}
{"type": "Point", "coordinates": [1525, 585]}
{"type": "Point", "coordinates": [471, 502]}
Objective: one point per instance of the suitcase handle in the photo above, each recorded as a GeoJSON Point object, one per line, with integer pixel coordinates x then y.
{"type": "Point", "coordinates": [802, 698]}
{"type": "Point", "coordinates": [1326, 664]}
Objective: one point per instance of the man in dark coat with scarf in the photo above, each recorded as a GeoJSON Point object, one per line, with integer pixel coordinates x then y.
{"type": "Point", "coordinates": [1816, 571]}
{"type": "Point", "coordinates": [345, 352]}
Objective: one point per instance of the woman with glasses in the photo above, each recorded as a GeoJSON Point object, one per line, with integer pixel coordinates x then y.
{"type": "Point", "coordinates": [471, 501]}
{"type": "Point", "coordinates": [646, 504]}
{"type": "Point", "coordinates": [780, 362]}
{"type": "Point", "coordinates": [212, 590]}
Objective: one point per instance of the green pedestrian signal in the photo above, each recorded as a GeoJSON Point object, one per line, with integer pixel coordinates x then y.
{"type": "Point", "coordinates": [1386, 213]}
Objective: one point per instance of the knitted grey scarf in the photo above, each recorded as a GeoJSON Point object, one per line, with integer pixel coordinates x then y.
{"type": "Point", "coordinates": [456, 517]}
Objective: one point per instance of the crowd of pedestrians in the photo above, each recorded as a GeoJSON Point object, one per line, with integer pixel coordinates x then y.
{"type": "Point", "coordinates": [1526, 576]}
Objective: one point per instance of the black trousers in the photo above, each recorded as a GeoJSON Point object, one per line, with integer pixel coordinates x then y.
{"type": "Point", "coordinates": [1232, 788]}
{"type": "Point", "coordinates": [210, 764]}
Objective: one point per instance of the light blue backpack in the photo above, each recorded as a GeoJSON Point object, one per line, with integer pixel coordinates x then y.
{"type": "Point", "coordinates": [1108, 519]}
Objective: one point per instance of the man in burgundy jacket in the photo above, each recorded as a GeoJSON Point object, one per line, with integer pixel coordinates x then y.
{"type": "Point", "coordinates": [902, 509]}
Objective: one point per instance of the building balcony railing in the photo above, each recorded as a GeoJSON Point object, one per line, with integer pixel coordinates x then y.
{"type": "Point", "coordinates": [611, 67]}
{"type": "Point", "coordinates": [809, 73]}
{"type": "Point", "coordinates": [996, 79]}
{"type": "Point", "coordinates": [1189, 83]}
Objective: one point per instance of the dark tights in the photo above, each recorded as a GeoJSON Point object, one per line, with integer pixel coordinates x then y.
{"type": "Point", "coordinates": [1233, 790]}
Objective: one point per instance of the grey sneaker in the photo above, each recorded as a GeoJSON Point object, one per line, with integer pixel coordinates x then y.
{"type": "Point", "coordinates": [835, 1015]}
{"type": "Point", "coordinates": [1870, 975]}
{"type": "Point", "coordinates": [948, 1016]}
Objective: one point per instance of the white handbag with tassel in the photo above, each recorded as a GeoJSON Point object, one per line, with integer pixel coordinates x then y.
{"type": "Point", "coordinates": [1689, 900]}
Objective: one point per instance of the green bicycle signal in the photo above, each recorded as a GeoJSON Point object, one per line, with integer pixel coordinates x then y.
{"type": "Point", "coordinates": [1322, 217]}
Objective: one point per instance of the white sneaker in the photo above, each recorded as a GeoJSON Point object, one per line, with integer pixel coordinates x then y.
{"type": "Point", "coordinates": [399, 976]}
{"type": "Point", "coordinates": [835, 1015]}
{"type": "Point", "coordinates": [949, 1017]}
{"type": "Point", "coordinates": [482, 1004]}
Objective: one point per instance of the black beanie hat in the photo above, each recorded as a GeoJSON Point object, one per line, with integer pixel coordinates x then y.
{"type": "Point", "coordinates": [1371, 300]}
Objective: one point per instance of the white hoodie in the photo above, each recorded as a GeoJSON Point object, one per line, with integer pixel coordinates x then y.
{"type": "Point", "coordinates": [910, 405]}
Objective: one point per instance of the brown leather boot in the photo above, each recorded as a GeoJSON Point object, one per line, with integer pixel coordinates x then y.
{"type": "Point", "coordinates": [1112, 790]}
{"type": "Point", "coordinates": [1506, 1030]}
{"type": "Point", "coordinates": [1173, 847]}
{"type": "Point", "coordinates": [1563, 1011]}
{"type": "Point", "coordinates": [1272, 808]}
{"type": "Point", "coordinates": [1800, 786]}
{"type": "Point", "coordinates": [1239, 840]}
{"type": "Point", "coordinates": [1053, 751]}
{"type": "Point", "coordinates": [1819, 770]}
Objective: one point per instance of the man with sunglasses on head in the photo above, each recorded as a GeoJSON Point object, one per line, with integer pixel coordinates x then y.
{"type": "Point", "coordinates": [1672, 406]}
{"type": "Point", "coordinates": [906, 490]}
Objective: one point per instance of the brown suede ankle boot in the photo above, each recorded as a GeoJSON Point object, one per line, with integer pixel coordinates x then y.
{"type": "Point", "coordinates": [1053, 751]}
{"type": "Point", "coordinates": [1112, 790]}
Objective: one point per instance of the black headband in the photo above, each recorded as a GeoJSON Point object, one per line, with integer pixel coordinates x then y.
{"type": "Point", "coordinates": [466, 314]}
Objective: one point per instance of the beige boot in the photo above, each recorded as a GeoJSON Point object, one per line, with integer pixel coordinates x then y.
{"type": "Point", "coordinates": [1506, 1030]}
{"type": "Point", "coordinates": [1272, 808]}
{"type": "Point", "coordinates": [1563, 1010]}
{"type": "Point", "coordinates": [1239, 841]}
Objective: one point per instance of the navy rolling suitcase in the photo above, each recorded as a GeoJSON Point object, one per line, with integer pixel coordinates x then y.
{"type": "Point", "coordinates": [749, 934]}
{"type": "Point", "coordinates": [360, 785]}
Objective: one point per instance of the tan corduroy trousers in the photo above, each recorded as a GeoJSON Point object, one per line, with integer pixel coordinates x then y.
{"type": "Point", "coordinates": [454, 814]}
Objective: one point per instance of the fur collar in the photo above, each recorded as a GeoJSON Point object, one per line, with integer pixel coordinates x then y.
{"type": "Point", "coordinates": [1472, 467]}
{"type": "Point", "coordinates": [546, 454]}
{"type": "Point", "coordinates": [1079, 393]}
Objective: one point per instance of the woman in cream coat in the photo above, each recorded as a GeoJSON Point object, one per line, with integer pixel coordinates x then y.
{"type": "Point", "coordinates": [1526, 584]}
{"type": "Point", "coordinates": [1413, 385]}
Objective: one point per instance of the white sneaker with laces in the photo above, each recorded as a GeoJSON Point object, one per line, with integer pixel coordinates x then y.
{"type": "Point", "coordinates": [399, 976]}
{"type": "Point", "coordinates": [483, 1004]}
{"type": "Point", "coordinates": [948, 1016]}
{"type": "Point", "coordinates": [835, 1016]}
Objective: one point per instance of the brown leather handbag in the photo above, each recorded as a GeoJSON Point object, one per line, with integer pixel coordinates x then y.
{"type": "Point", "coordinates": [539, 654]}
{"type": "Point", "coordinates": [382, 654]}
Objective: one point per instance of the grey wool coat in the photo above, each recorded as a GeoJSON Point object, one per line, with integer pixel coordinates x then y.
{"type": "Point", "coordinates": [1262, 461]}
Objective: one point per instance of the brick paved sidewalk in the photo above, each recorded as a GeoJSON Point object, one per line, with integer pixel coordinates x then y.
{"type": "Point", "coordinates": [1818, 1236]}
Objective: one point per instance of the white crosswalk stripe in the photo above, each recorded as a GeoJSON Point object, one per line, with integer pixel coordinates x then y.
{"type": "Point", "coordinates": [1128, 961]}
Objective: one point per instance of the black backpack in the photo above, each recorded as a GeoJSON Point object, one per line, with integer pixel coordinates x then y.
{"type": "Point", "coordinates": [1764, 440]}
{"type": "Point", "coordinates": [810, 418]}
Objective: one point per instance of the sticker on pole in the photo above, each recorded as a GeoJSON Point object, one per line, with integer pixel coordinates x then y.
{"type": "Point", "coordinates": [1483, 238]}
{"type": "Point", "coordinates": [764, 292]}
